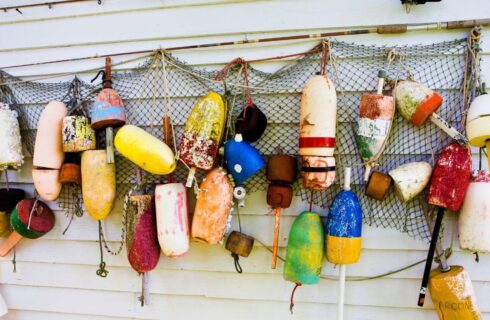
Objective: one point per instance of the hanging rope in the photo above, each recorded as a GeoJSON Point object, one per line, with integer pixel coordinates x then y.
{"type": "Point", "coordinates": [325, 55]}
{"type": "Point", "coordinates": [291, 302]}
{"type": "Point", "coordinates": [101, 272]}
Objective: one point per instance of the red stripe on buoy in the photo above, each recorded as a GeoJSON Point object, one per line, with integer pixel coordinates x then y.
{"type": "Point", "coordinates": [316, 142]}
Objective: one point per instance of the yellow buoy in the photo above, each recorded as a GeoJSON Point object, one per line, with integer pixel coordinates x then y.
{"type": "Point", "coordinates": [145, 150]}
{"type": "Point", "coordinates": [98, 183]}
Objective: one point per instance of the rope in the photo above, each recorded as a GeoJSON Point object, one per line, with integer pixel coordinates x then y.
{"type": "Point", "coordinates": [238, 267]}
{"type": "Point", "coordinates": [291, 303]}
{"type": "Point", "coordinates": [325, 54]}
{"type": "Point", "coordinates": [101, 272]}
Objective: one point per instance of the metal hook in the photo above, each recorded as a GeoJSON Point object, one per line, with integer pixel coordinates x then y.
{"type": "Point", "coordinates": [101, 72]}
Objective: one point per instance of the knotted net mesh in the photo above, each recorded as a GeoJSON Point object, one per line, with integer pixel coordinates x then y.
{"type": "Point", "coordinates": [164, 86]}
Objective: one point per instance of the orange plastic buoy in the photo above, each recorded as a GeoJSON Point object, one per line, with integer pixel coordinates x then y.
{"type": "Point", "coordinates": [213, 206]}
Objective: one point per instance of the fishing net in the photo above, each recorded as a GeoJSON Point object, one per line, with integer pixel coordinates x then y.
{"type": "Point", "coordinates": [164, 86]}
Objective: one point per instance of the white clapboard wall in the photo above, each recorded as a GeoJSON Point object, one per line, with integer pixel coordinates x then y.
{"type": "Point", "coordinates": [55, 276]}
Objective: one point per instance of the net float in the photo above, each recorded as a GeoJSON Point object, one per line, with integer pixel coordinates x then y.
{"type": "Point", "coordinates": [378, 186]}
{"type": "Point", "coordinates": [281, 172]}
{"type": "Point", "coordinates": [30, 219]}
{"type": "Point", "coordinates": [71, 173]}
{"type": "Point", "coordinates": [304, 254]}
{"type": "Point", "coordinates": [478, 122]}
{"type": "Point", "coordinates": [240, 245]}
{"type": "Point", "coordinates": [343, 234]}
{"type": "Point", "coordinates": [141, 236]}
{"type": "Point", "coordinates": [251, 123]}
{"type": "Point", "coordinates": [417, 103]}
{"type": "Point", "coordinates": [77, 134]}
{"type": "Point", "coordinates": [48, 148]}
{"type": "Point", "coordinates": [11, 144]}
{"type": "Point", "coordinates": [447, 188]}
{"type": "Point", "coordinates": [474, 217]}
{"type": "Point", "coordinates": [410, 179]}
{"type": "Point", "coordinates": [107, 111]}
{"type": "Point", "coordinates": [9, 197]}
{"type": "Point", "coordinates": [373, 127]}
{"type": "Point", "coordinates": [453, 295]}
{"type": "Point", "coordinates": [146, 151]}
{"type": "Point", "coordinates": [213, 206]}
{"type": "Point", "coordinates": [318, 173]}
{"type": "Point", "coordinates": [172, 219]}
{"type": "Point", "coordinates": [203, 130]}
{"type": "Point", "coordinates": [242, 161]}
{"type": "Point", "coordinates": [98, 183]}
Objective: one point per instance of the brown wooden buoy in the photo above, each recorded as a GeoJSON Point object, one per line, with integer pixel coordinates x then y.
{"type": "Point", "coordinates": [239, 244]}
{"type": "Point", "coordinates": [71, 173]}
{"type": "Point", "coordinates": [378, 186]}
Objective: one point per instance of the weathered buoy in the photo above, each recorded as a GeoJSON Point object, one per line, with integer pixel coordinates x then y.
{"type": "Point", "coordinates": [251, 123]}
{"type": "Point", "coordinates": [141, 237]}
{"type": "Point", "coordinates": [71, 173]}
{"type": "Point", "coordinates": [203, 131]}
{"type": "Point", "coordinates": [450, 177]}
{"type": "Point", "coordinates": [318, 122]}
{"type": "Point", "coordinates": [410, 179]}
{"type": "Point", "coordinates": [474, 217]}
{"type": "Point", "coordinates": [304, 254]}
{"type": "Point", "coordinates": [373, 127]}
{"type": "Point", "coordinates": [318, 173]}
{"type": "Point", "coordinates": [344, 226]}
{"type": "Point", "coordinates": [417, 103]}
{"type": "Point", "coordinates": [478, 122]}
{"type": "Point", "coordinates": [78, 135]}
{"type": "Point", "coordinates": [281, 172]}
{"type": "Point", "coordinates": [213, 206]}
{"type": "Point", "coordinates": [447, 188]}
{"type": "Point", "coordinates": [30, 219]}
{"type": "Point", "coordinates": [9, 197]}
{"type": "Point", "coordinates": [98, 183]}
{"type": "Point", "coordinates": [145, 150]}
{"type": "Point", "coordinates": [242, 159]}
{"type": "Point", "coordinates": [48, 149]}
{"type": "Point", "coordinates": [172, 219]}
{"type": "Point", "coordinates": [108, 111]}
{"type": "Point", "coordinates": [47, 183]}
{"type": "Point", "coordinates": [11, 144]}
{"type": "Point", "coordinates": [378, 186]}
{"type": "Point", "coordinates": [453, 295]}
{"type": "Point", "coordinates": [240, 245]}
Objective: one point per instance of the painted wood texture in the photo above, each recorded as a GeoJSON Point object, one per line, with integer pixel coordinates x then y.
{"type": "Point", "coordinates": [205, 276]}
